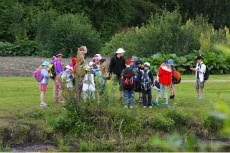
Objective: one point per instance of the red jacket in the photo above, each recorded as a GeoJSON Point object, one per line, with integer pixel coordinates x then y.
{"type": "Point", "coordinates": [165, 75]}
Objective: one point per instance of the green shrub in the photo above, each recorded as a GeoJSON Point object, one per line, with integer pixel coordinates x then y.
{"type": "Point", "coordinates": [217, 62]}
{"type": "Point", "coordinates": [22, 48]}
{"type": "Point", "coordinates": [165, 33]}
{"type": "Point", "coordinates": [69, 32]}
{"type": "Point", "coordinates": [181, 119]}
{"type": "Point", "coordinates": [159, 122]}
{"type": "Point", "coordinates": [213, 124]}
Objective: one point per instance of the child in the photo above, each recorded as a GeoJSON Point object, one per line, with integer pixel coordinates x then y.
{"type": "Point", "coordinates": [57, 61]}
{"type": "Point", "coordinates": [44, 82]}
{"type": "Point", "coordinates": [99, 77]}
{"type": "Point", "coordinates": [165, 80]}
{"type": "Point", "coordinates": [146, 85]}
{"type": "Point", "coordinates": [88, 88]}
{"type": "Point", "coordinates": [140, 65]}
{"type": "Point", "coordinates": [66, 76]}
{"type": "Point", "coordinates": [128, 84]}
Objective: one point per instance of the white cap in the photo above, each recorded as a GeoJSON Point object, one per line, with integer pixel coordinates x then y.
{"type": "Point", "coordinates": [120, 50]}
{"type": "Point", "coordinates": [147, 64]}
{"type": "Point", "coordinates": [98, 55]}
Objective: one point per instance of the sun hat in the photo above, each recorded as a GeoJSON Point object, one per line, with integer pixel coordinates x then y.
{"type": "Point", "coordinates": [147, 64]}
{"type": "Point", "coordinates": [58, 54]}
{"type": "Point", "coordinates": [120, 50]}
{"type": "Point", "coordinates": [46, 63]}
{"type": "Point", "coordinates": [69, 67]}
{"type": "Point", "coordinates": [98, 55]}
{"type": "Point", "coordinates": [128, 62]}
{"type": "Point", "coordinates": [171, 62]}
{"type": "Point", "coordinates": [96, 58]}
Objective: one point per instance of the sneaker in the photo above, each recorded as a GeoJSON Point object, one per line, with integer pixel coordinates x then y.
{"type": "Point", "coordinates": [43, 104]}
{"type": "Point", "coordinates": [165, 104]}
{"type": "Point", "coordinates": [130, 106]}
{"type": "Point", "coordinates": [201, 96]}
{"type": "Point", "coordinates": [150, 106]}
{"type": "Point", "coordinates": [155, 103]}
{"type": "Point", "coordinates": [144, 106]}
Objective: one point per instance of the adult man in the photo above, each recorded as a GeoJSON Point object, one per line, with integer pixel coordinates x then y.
{"type": "Point", "coordinates": [117, 65]}
{"type": "Point", "coordinates": [200, 70]}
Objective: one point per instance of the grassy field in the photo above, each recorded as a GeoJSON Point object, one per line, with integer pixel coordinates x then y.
{"type": "Point", "coordinates": [19, 101]}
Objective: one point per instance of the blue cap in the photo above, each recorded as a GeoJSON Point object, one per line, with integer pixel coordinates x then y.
{"type": "Point", "coordinates": [171, 62]}
{"type": "Point", "coordinates": [45, 63]}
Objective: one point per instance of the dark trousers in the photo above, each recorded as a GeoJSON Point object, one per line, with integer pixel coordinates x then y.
{"type": "Point", "coordinates": [146, 93]}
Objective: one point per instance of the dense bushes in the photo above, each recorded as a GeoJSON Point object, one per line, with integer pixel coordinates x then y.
{"type": "Point", "coordinates": [165, 33]}
{"type": "Point", "coordinates": [69, 32]}
{"type": "Point", "coordinates": [217, 62]}
{"type": "Point", "coordinates": [22, 48]}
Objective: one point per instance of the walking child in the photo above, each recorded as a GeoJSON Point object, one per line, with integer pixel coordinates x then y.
{"type": "Point", "coordinates": [146, 85]}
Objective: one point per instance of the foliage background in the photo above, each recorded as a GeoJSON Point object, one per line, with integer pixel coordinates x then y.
{"type": "Point", "coordinates": [142, 27]}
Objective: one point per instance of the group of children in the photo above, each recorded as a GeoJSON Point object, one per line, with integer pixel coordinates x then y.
{"type": "Point", "coordinates": [137, 77]}
{"type": "Point", "coordinates": [90, 79]}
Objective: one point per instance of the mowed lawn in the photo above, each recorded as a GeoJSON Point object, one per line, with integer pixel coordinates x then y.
{"type": "Point", "coordinates": [20, 96]}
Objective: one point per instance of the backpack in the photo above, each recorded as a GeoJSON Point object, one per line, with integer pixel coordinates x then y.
{"type": "Point", "coordinates": [52, 71]}
{"type": "Point", "coordinates": [38, 75]}
{"type": "Point", "coordinates": [206, 73]}
{"type": "Point", "coordinates": [176, 77]}
{"type": "Point", "coordinates": [145, 80]}
{"type": "Point", "coordinates": [128, 82]}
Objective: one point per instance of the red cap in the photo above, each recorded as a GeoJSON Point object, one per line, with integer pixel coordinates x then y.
{"type": "Point", "coordinates": [128, 61]}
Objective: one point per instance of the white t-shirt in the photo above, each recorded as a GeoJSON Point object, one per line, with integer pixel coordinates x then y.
{"type": "Point", "coordinates": [201, 67]}
{"type": "Point", "coordinates": [88, 83]}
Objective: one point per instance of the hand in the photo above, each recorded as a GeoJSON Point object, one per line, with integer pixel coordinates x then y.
{"type": "Point", "coordinates": [192, 69]}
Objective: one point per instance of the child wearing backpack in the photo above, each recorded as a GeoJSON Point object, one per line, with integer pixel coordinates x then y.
{"type": "Point", "coordinates": [138, 73]}
{"type": "Point", "coordinates": [57, 66]}
{"type": "Point", "coordinates": [176, 78]}
{"type": "Point", "coordinates": [44, 82]}
{"type": "Point", "coordinates": [146, 85]}
{"type": "Point", "coordinates": [165, 80]}
{"type": "Point", "coordinates": [128, 84]}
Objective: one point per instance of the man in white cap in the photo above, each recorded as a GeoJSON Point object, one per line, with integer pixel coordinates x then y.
{"type": "Point", "coordinates": [117, 65]}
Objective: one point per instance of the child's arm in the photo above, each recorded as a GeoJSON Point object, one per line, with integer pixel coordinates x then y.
{"type": "Point", "coordinates": [151, 77]}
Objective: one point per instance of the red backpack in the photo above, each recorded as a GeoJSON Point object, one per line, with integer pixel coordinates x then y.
{"type": "Point", "coordinates": [128, 80]}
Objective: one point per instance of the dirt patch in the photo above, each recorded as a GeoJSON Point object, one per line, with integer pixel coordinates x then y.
{"type": "Point", "coordinates": [24, 66]}
{"type": "Point", "coordinates": [21, 66]}
{"type": "Point", "coordinates": [37, 147]}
